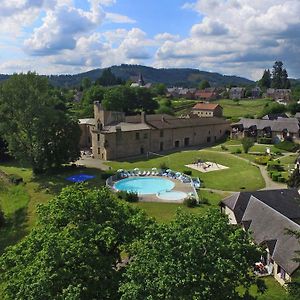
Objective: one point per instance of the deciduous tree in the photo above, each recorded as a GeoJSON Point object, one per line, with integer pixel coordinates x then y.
{"type": "Point", "coordinates": [193, 257]}
{"type": "Point", "coordinates": [75, 250]}
{"type": "Point", "coordinates": [35, 123]}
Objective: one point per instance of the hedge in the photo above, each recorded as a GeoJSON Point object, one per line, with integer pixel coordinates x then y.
{"type": "Point", "coordinates": [264, 140]}
{"type": "Point", "coordinates": [262, 160]}
{"type": "Point", "coordinates": [288, 146]}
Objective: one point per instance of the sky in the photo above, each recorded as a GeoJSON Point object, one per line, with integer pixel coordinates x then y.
{"type": "Point", "coordinates": [233, 37]}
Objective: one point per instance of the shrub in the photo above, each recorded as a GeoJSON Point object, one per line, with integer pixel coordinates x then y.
{"type": "Point", "coordinates": [187, 172]}
{"type": "Point", "coordinates": [163, 166]}
{"type": "Point", "coordinates": [265, 140]}
{"type": "Point", "coordinates": [224, 148]}
{"type": "Point", "coordinates": [15, 179]}
{"type": "Point", "coordinates": [288, 146]}
{"type": "Point", "coordinates": [281, 179]}
{"type": "Point", "coordinates": [277, 152]}
{"type": "Point", "coordinates": [262, 160]}
{"type": "Point", "coordinates": [247, 143]}
{"type": "Point", "coordinates": [204, 201]}
{"type": "Point", "coordinates": [275, 176]}
{"type": "Point", "coordinates": [107, 174]}
{"type": "Point", "coordinates": [274, 166]}
{"type": "Point", "coordinates": [237, 151]}
{"type": "Point", "coordinates": [190, 202]}
{"type": "Point", "coordinates": [128, 196]}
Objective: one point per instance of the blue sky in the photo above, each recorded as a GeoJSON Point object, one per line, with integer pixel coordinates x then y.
{"type": "Point", "coordinates": [239, 37]}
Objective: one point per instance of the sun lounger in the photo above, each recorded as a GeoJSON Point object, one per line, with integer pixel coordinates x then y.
{"type": "Point", "coordinates": [148, 173]}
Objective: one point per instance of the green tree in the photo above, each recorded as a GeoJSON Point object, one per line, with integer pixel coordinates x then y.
{"type": "Point", "coordinates": [266, 80]}
{"type": "Point", "coordinates": [159, 89]}
{"type": "Point", "coordinates": [86, 83]}
{"type": "Point", "coordinates": [75, 250]}
{"type": "Point", "coordinates": [204, 84]}
{"type": "Point", "coordinates": [293, 108]}
{"type": "Point", "coordinates": [108, 78]}
{"type": "Point", "coordinates": [35, 123]}
{"type": "Point", "coordinates": [2, 218]}
{"type": "Point", "coordinates": [145, 101]}
{"type": "Point", "coordinates": [247, 143]}
{"type": "Point", "coordinates": [280, 76]}
{"type": "Point", "coordinates": [193, 257]}
{"type": "Point", "coordinates": [94, 93]}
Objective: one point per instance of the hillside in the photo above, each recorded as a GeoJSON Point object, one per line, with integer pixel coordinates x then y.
{"type": "Point", "coordinates": [171, 77]}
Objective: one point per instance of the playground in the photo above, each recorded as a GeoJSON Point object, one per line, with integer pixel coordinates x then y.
{"type": "Point", "coordinates": [206, 166]}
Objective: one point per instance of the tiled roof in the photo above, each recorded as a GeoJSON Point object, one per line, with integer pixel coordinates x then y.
{"type": "Point", "coordinates": [206, 106]}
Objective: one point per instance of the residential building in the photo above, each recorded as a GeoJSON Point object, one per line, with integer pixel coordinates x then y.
{"type": "Point", "coordinates": [275, 116]}
{"type": "Point", "coordinates": [204, 110]}
{"type": "Point", "coordinates": [279, 94]}
{"type": "Point", "coordinates": [116, 136]}
{"type": "Point", "coordinates": [86, 125]}
{"type": "Point", "coordinates": [237, 93]}
{"type": "Point", "coordinates": [256, 92]}
{"type": "Point", "coordinates": [279, 130]}
{"type": "Point", "coordinates": [206, 94]}
{"type": "Point", "coordinates": [268, 215]}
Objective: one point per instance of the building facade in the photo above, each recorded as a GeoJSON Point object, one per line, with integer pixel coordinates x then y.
{"type": "Point", "coordinates": [204, 110]}
{"type": "Point", "coordinates": [116, 136]}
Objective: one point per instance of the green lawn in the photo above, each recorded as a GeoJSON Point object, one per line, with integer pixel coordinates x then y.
{"type": "Point", "coordinates": [165, 212]}
{"type": "Point", "coordinates": [241, 175]}
{"type": "Point", "coordinates": [233, 109]}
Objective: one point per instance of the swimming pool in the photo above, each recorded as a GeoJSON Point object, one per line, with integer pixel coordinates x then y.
{"type": "Point", "coordinates": [144, 185]}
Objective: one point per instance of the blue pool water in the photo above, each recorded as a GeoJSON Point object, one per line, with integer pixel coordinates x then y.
{"type": "Point", "coordinates": [80, 177]}
{"type": "Point", "coordinates": [144, 185]}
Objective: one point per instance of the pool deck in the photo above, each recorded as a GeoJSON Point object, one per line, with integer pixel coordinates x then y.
{"type": "Point", "coordinates": [179, 186]}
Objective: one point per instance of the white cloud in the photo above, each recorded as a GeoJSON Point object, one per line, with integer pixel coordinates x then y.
{"type": "Point", "coordinates": [118, 18]}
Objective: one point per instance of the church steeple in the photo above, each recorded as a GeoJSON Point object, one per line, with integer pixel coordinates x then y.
{"type": "Point", "coordinates": [141, 81]}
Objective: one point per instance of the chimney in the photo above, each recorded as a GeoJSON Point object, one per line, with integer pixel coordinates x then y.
{"type": "Point", "coordinates": [143, 117]}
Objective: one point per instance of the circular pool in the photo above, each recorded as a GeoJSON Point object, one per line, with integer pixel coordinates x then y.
{"type": "Point", "coordinates": [172, 195]}
{"type": "Point", "coordinates": [144, 185]}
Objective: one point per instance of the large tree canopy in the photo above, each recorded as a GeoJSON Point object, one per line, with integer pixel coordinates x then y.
{"type": "Point", "coordinates": [74, 251]}
{"type": "Point", "coordinates": [193, 257]}
{"type": "Point", "coordinates": [35, 124]}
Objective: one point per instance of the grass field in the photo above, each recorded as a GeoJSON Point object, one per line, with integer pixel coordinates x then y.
{"type": "Point", "coordinates": [240, 175]}
{"type": "Point", "coordinates": [242, 108]}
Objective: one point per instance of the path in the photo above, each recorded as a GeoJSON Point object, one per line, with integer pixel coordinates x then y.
{"type": "Point", "coordinates": [92, 163]}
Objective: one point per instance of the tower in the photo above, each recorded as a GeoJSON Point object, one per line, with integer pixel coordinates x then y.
{"type": "Point", "coordinates": [141, 81]}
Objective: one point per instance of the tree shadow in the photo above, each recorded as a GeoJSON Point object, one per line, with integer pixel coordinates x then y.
{"type": "Point", "coordinates": [14, 230]}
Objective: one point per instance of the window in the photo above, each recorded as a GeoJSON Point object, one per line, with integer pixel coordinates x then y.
{"type": "Point", "coordinates": [220, 131]}
{"type": "Point", "coordinates": [137, 135]}
{"type": "Point", "coordinates": [186, 141]}
{"type": "Point", "coordinates": [142, 150]}
{"type": "Point", "coordinates": [208, 139]}
{"type": "Point", "coordinates": [161, 146]}
{"type": "Point", "coordinates": [98, 137]}
{"type": "Point", "coordinates": [98, 150]}
{"type": "Point", "coordinates": [177, 143]}
{"type": "Point", "coordinates": [145, 135]}
{"type": "Point", "coordinates": [161, 134]}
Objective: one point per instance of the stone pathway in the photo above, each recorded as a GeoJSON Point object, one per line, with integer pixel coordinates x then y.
{"type": "Point", "coordinates": [92, 163]}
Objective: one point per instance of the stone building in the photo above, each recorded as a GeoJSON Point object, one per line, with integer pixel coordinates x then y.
{"type": "Point", "coordinates": [237, 93]}
{"type": "Point", "coordinates": [116, 136]}
{"type": "Point", "coordinates": [204, 110]}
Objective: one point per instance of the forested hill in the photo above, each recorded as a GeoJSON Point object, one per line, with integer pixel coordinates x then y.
{"type": "Point", "coordinates": [171, 77]}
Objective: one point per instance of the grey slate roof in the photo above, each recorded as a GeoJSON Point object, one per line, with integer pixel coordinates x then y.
{"type": "Point", "coordinates": [291, 124]}
{"type": "Point", "coordinates": [285, 201]}
{"type": "Point", "coordinates": [267, 224]}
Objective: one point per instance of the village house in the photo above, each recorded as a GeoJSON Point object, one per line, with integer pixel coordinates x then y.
{"type": "Point", "coordinates": [141, 83]}
{"type": "Point", "coordinates": [180, 92]}
{"type": "Point", "coordinates": [279, 94]}
{"type": "Point", "coordinates": [268, 215]}
{"type": "Point", "coordinates": [207, 94]}
{"type": "Point", "coordinates": [278, 130]}
{"type": "Point", "coordinates": [116, 136]}
{"type": "Point", "coordinates": [256, 92]}
{"type": "Point", "coordinates": [237, 93]}
{"type": "Point", "coordinates": [204, 110]}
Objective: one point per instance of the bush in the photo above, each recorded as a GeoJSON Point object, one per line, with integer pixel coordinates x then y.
{"type": "Point", "coordinates": [187, 172]}
{"type": "Point", "coordinates": [128, 196]}
{"type": "Point", "coordinates": [277, 152]}
{"type": "Point", "coordinates": [288, 146]}
{"type": "Point", "coordinates": [163, 166]}
{"type": "Point", "coordinates": [274, 166]}
{"type": "Point", "coordinates": [265, 140]}
{"type": "Point", "coordinates": [275, 176]}
{"type": "Point", "coordinates": [15, 179]}
{"type": "Point", "coordinates": [247, 143]}
{"type": "Point", "coordinates": [281, 179]}
{"type": "Point", "coordinates": [190, 202]}
{"type": "Point", "coordinates": [204, 201]}
{"type": "Point", "coordinates": [107, 174]}
{"type": "Point", "coordinates": [237, 151]}
{"type": "Point", "coordinates": [224, 148]}
{"type": "Point", "coordinates": [262, 160]}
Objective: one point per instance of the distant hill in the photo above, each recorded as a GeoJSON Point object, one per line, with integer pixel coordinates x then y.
{"type": "Point", "coordinates": [171, 77]}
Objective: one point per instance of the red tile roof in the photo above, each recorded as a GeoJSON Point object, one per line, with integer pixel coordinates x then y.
{"type": "Point", "coordinates": [206, 106]}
